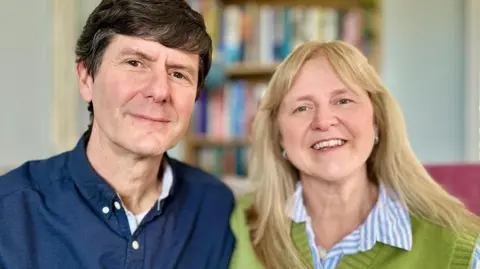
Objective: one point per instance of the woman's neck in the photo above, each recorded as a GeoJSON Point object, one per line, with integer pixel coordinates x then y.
{"type": "Point", "coordinates": [338, 208]}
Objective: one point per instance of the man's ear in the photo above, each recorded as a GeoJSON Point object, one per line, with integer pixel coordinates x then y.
{"type": "Point", "coordinates": [85, 82]}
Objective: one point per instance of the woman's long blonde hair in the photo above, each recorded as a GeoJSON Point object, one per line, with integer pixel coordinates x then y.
{"type": "Point", "coordinates": [392, 161]}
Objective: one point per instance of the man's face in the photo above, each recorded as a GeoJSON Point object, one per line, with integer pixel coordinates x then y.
{"type": "Point", "coordinates": [143, 95]}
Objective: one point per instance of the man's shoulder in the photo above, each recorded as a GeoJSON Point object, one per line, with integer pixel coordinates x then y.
{"type": "Point", "coordinates": [32, 174]}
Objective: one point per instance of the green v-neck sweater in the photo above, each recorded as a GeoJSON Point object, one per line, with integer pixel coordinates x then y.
{"type": "Point", "coordinates": [434, 247]}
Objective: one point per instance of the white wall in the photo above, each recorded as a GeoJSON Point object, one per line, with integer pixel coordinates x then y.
{"type": "Point", "coordinates": [424, 67]}
{"type": "Point", "coordinates": [25, 81]}
{"type": "Point", "coordinates": [472, 104]}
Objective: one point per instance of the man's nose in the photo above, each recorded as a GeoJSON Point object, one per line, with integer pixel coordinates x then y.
{"type": "Point", "coordinates": [159, 88]}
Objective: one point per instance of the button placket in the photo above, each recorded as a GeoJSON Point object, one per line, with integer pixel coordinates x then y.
{"type": "Point", "coordinates": [135, 251]}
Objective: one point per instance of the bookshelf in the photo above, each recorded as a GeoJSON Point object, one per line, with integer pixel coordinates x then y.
{"type": "Point", "coordinates": [249, 64]}
{"type": "Point", "coordinates": [325, 3]}
{"type": "Point", "coordinates": [251, 71]}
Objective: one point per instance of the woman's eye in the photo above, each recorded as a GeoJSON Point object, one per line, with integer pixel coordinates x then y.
{"type": "Point", "coordinates": [343, 101]}
{"type": "Point", "coordinates": [301, 109]}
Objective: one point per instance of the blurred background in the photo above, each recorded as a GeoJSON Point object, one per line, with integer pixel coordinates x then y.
{"type": "Point", "coordinates": [427, 52]}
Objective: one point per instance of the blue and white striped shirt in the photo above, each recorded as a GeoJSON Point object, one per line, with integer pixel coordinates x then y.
{"type": "Point", "coordinates": [388, 222]}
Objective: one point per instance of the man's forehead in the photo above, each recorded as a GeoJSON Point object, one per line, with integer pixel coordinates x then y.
{"type": "Point", "coordinates": [130, 45]}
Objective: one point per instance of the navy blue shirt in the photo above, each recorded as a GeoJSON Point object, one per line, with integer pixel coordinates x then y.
{"type": "Point", "coordinates": [52, 215]}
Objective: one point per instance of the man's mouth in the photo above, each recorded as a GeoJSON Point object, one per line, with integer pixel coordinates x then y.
{"type": "Point", "coordinates": [151, 118]}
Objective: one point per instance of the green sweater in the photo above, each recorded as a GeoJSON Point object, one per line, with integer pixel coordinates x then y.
{"type": "Point", "coordinates": [434, 247]}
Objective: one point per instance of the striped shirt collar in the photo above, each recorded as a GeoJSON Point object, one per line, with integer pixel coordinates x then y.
{"type": "Point", "coordinates": [388, 222]}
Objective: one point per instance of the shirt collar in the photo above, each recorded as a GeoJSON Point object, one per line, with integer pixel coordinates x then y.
{"type": "Point", "coordinates": [388, 222]}
{"type": "Point", "coordinates": [167, 182]}
{"type": "Point", "coordinates": [95, 189]}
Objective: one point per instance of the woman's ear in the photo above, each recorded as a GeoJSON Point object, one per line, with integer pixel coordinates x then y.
{"type": "Point", "coordinates": [282, 149]}
{"type": "Point", "coordinates": [282, 146]}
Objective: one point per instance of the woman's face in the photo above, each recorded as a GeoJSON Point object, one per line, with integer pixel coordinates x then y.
{"type": "Point", "coordinates": [327, 128]}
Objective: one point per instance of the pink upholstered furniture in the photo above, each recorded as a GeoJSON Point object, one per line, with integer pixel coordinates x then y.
{"type": "Point", "coordinates": [461, 180]}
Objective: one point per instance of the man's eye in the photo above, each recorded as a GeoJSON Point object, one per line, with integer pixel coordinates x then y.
{"type": "Point", "coordinates": [178, 75]}
{"type": "Point", "coordinates": [134, 63]}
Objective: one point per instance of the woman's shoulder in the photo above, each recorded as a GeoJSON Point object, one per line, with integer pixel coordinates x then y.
{"type": "Point", "coordinates": [238, 220]}
{"type": "Point", "coordinates": [442, 239]}
{"type": "Point", "coordinates": [424, 227]}
{"type": "Point", "coordinates": [244, 254]}
{"type": "Point", "coordinates": [245, 201]}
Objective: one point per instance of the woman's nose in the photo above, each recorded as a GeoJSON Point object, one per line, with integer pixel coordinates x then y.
{"type": "Point", "coordinates": [324, 119]}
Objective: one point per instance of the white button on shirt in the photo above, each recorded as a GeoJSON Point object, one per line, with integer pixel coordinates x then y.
{"type": "Point", "coordinates": [105, 210]}
{"type": "Point", "coordinates": [135, 244]}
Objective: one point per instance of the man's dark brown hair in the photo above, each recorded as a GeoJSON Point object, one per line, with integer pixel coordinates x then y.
{"type": "Point", "coordinates": [172, 23]}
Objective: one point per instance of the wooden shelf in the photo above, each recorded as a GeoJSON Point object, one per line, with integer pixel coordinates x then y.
{"type": "Point", "coordinates": [200, 141]}
{"type": "Point", "coordinates": [194, 143]}
{"type": "Point", "coordinates": [251, 71]}
{"type": "Point", "coordinates": [341, 4]}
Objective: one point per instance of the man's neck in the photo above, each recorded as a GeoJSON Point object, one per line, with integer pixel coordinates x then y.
{"type": "Point", "coordinates": [136, 180]}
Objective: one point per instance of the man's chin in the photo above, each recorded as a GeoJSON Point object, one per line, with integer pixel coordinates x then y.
{"type": "Point", "coordinates": [149, 150]}
{"type": "Point", "coordinates": [146, 144]}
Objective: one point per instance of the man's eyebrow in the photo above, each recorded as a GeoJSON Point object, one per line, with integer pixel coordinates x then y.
{"type": "Point", "coordinates": [186, 67]}
{"type": "Point", "coordinates": [137, 53]}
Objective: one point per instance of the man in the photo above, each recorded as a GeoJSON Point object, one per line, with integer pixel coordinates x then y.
{"type": "Point", "coordinates": [117, 200]}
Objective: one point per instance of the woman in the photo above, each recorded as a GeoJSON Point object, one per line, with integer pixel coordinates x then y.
{"type": "Point", "coordinates": [337, 184]}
